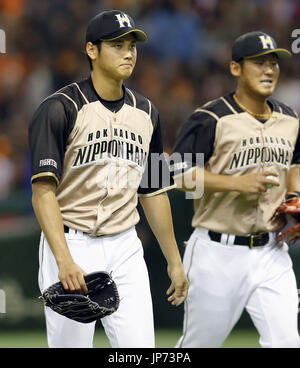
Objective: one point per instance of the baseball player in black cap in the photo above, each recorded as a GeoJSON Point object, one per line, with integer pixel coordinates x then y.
{"type": "Point", "coordinates": [251, 148]}
{"type": "Point", "coordinates": [94, 144]}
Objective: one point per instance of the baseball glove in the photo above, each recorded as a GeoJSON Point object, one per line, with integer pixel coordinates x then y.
{"type": "Point", "coordinates": [101, 300]}
{"type": "Point", "coordinates": [290, 210]}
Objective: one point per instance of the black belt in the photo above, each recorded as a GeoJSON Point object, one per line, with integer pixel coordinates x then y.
{"type": "Point", "coordinates": [252, 241]}
{"type": "Point", "coordinates": [67, 230]}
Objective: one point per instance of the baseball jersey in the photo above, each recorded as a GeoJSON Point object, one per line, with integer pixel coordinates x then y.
{"type": "Point", "coordinates": [101, 154]}
{"type": "Point", "coordinates": [235, 143]}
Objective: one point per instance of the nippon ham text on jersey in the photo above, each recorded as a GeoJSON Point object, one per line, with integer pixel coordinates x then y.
{"type": "Point", "coordinates": [258, 150]}
{"type": "Point", "coordinates": [119, 143]}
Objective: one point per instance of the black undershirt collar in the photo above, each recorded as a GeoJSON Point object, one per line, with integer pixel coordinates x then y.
{"type": "Point", "coordinates": [113, 106]}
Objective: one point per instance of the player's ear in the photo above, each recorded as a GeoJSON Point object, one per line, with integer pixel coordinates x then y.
{"type": "Point", "coordinates": [91, 50]}
{"type": "Point", "coordinates": [235, 68]}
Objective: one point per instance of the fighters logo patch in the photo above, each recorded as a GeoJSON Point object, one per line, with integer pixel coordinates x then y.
{"type": "Point", "coordinates": [48, 162]}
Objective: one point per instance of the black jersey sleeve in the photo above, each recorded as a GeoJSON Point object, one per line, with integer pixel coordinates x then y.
{"type": "Point", "coordinates": [296, 155]}
{"type": "Point", "coordinates": [49, 129]}
{"type": "Point", "coordinates": [195, 143]}
{"type": "Point", "coordinates": [157, 177]}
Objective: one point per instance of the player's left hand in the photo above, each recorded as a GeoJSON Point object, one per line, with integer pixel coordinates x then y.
{"type": "Point", "coordinates": [178, 289]}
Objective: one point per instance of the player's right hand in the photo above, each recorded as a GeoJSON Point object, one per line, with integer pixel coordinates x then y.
{"type": "Point", "coordinates": [258, 182]}
{"type": "Point", "coordinates": [71, 277]}
{"type": "Point", "coordinates": [178, 289]}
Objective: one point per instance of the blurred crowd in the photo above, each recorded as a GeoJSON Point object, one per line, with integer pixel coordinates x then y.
{"type": "Point", "coordinates": [184, 64]}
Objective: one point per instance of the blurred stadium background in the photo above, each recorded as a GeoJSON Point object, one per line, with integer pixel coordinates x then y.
{"type": "Point", "coordinates": [184, 64]}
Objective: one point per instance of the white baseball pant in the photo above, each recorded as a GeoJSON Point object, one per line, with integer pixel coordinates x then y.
{"type": "Point", "coordinates": [131, 326]}
{"type": "Point", "coordinates": [225, 279]}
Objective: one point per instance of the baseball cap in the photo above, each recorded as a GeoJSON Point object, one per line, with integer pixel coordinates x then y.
{"type": "Point", "coordinates": [112, 24]}
{"type": "Point", "coordinates": [254, 44]}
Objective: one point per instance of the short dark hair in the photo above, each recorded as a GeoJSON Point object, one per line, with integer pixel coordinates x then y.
{"type": "Point", "coordinates": [98, 44]}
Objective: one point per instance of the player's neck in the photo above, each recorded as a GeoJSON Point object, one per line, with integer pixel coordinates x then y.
{"type": "Point", "coordinates": [107, 88]}
{"type": "Point", "coordinates": [254, 105]}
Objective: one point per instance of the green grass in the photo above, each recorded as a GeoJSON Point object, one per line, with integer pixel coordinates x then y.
{"type": "Point", "coordinates": [242, 339]}
{"type": "Point", "coordinates": [165, 338]}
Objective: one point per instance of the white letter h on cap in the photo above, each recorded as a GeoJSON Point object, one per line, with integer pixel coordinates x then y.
{"type": "Point", "coordinates": [122, 18]}
{"type": "Point", "coordinates": [266, 42]}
